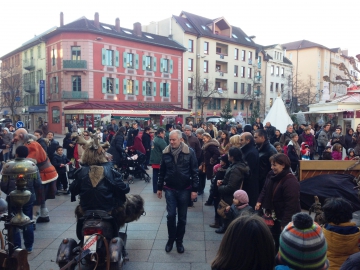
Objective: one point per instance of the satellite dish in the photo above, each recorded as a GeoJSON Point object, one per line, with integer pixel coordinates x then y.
{"type": "Point", "coordinates": [332, 95]}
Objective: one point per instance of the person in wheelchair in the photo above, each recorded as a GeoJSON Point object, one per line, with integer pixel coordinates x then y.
{"type": "Point", "coordinates": [101, 187]}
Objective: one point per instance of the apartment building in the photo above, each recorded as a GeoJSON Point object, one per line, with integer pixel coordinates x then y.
{"type": "Point", "coordinates": [277, 75]}
{"type": "Point", "coordinates": [221, 55]}
{"type": "Point", "coordinates": [95, 70]}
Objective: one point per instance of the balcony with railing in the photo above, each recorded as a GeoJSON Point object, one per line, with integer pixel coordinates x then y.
{"type": "Point", "coordinates": [30, 88]}
{"type": "Point", "coordinates": [74, 95]}
{"type": "Point", "coordinates": [221, 68]}
{"type": "Point", "coordinates": [29, 64]}
{"type": "Point", "coordinates": [221, 50]}
{"type": "Point", "coordinates": [258, 79]}
{"type": "Point", "coordinates": [75, 64]}
{"type": "Point", "coordinates": [221, 85]}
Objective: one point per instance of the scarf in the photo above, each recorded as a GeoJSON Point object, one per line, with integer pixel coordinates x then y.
{"type": "Point", "coordinates": [309, 139]}
{"type": "Point", "coordinates": [242, 206]}
{"type": "Point", "coordinates": [176, 151]}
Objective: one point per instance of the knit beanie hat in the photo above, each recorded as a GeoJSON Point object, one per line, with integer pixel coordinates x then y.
{"type": "Point", "coordinates": [302, 245]}
{"type": "Point", "coordinates": [242, 197]}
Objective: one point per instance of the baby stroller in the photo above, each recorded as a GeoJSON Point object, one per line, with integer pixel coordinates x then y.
{"type": "Point", "coordinates": [132, 166]}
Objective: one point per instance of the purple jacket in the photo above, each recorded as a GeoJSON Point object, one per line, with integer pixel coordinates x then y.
{"type": "Point", "coordinates": [336, 155]}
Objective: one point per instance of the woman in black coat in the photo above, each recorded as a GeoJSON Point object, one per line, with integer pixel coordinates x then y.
{"type": "Point", "coordinates": [211, 154]}
{"type": "Point", "coordinates": [348, 139]}
{"type": "Point", "coordinates": [117, 146]}
{"type": "Point", "coordinates": [69, 145]}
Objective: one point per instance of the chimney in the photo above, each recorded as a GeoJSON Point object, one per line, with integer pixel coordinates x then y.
{"type": "Point", "coordinates": [345, 52]}
{"type": "Point", "coordinates": [137, 29]}
{"type": "Point", "coordinates": [61, 19]}
{"type": "Point", "coordinates": [96, 20]}
{"type": "Point", "coordinates": [117, 25]}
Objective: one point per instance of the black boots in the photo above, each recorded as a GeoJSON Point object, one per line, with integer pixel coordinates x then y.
{"type": "Point", "coordinates": [216, 224]}
{"type": "Point", "coordinates": [180, 247]}
{"type": "Point", "coordinates": [169, 245]}
{"type": "Point", "coordinates": [225, 224]}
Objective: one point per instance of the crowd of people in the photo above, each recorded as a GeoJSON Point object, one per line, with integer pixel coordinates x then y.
{"type": "Point", "coordinates": [252, 174]}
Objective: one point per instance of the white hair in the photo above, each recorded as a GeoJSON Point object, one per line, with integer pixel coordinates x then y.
{"type": "Point", "coordinates": [177, 132]}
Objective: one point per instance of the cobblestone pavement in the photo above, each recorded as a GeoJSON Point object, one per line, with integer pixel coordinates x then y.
{"type": "Point", "coordinates": [146, 237]}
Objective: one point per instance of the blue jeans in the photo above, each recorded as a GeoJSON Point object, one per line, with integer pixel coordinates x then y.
{"type": "Point", "coordinates": [320, 150]}
{"type": "Point", "coordinates": [28, 231]}
{"type": "Point", "coordinates": [176, 199]}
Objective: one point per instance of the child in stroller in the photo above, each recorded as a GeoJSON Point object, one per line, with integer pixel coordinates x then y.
{"type": "Point", "coordinates": [133, 165]}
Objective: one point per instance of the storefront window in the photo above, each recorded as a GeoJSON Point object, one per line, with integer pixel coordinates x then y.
{"type": "Point", "coordinates": [55, 115]}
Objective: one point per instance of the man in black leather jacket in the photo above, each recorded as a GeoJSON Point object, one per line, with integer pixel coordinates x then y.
{"type": "Point", "coordinates": [266, 150]}
{"type": "Point", "coordinates": [178, 176]}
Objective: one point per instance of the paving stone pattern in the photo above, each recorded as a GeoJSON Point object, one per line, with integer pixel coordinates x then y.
{"type": "Point", "coordinates": [146, 237]}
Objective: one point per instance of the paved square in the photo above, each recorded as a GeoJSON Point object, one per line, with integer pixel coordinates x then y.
{"type": "Point", "coordinates": [146, 237]}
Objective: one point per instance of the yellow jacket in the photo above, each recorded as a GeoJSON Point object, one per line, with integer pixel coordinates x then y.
{"type": "Point", "coordinates": [340, 246]}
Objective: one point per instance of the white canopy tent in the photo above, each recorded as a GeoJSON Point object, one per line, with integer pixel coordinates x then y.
{"type": "Point", "coordinates": [278, 116]}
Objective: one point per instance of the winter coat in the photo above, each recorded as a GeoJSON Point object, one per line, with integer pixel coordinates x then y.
{"type": "Point", "coordinates": [45, 130]}
{"type": "Point", "coordinates": [52, 148]}
{"type": "Point", "coordinates": [114, 126]}
{"type": "Point", "coordinates": [224, 149]}
{"type": "Point", "coordinates": [309, 140]}
{"type": "Point", "coordinates": [211, 155]}
{"type": "Point", "coordinates": [348, 142]}
{"type": "Point", "coordinates": [283, 199]}
{"type": "Point", "coordinates": [234, 212]}
{"type": "Point", "coordinates": [335, 138]}
{"type": "Point", "coordinates": [270, 131]}
{"type": "Point", "coordinates": [285, 136]}
{"type": "Point", "coordinates": [132, 133]}
{"type": "Point", "coordinates": [323, 138]}
{"type": "Point", "coordinates": [69, 149]}
{"type": "Point", "coordinates": [232, 181]}
{"type": "Point", "coordinates": [57, 161]}
{"type": "Point", "coordinates": [220, 174]}
{"type": "Point", "coordinates": [117, 148]}
{"type": "Point", "coordinates": [7, 138]}
{"type": "Point", "coordinates": [167, 137]}
{"type": "Point", "coordinates": [146, 141]}
{"type": "Point", "coordinates": [251, 181]}
{"type": "Point", "coordinates": [109, 192]}
{"type": "Point", "coordinates": [293, 153]}
{"type": "Point", "coordinates": [266, 150]}
{"type": "Point", "coordinates": [336, 155]}
{"type": "Point", "coordinates": [275, 139]}
{"type": "Point", "coordinates": [342, 241]}
{"type": "Point", "coordinates": [352, 263]}
{"type": "Point", "coordinates": [194, 143]}
{"type": "Point", "coordinates": [138, 145]}
{"type": "Point", "coordinates": [159, 145]}
{"type": "Point", "coordinates": [43, 144]}
{"type": "Point", "coordinates": [181, 175]}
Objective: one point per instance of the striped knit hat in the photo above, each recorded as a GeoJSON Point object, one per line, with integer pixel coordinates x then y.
{"type": "Point", "coordinates": [302, 245]}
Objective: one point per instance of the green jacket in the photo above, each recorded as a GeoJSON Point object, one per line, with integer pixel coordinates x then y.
{"type": "Point", "coordinates": [167, 137]}
{"type": "Point", "coordinates": [159, 145]}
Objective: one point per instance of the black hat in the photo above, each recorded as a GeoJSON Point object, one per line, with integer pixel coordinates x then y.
{"type": "Point", "coordinates": [224, 158]}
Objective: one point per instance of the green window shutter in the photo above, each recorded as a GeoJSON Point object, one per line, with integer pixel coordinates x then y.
{"type": "Point", "coordinates": [124, 86]}
{"type": "Point", "coordinates": [116, 58]}
{"type": "Point", "coordinates": [51, 85]}
{"type": "Point", "coordinates": [104, 85]}
{"type": "Point", "coordinates": [171, 66]}
{"type": "Point", "coordinates": [103, 59]}
{"type": "Point", "coordinates": [116, 86]}
{"type": "Point", "coordinates": [154, 64]}
{"type": "Point", "coordinates": [136, 87]}
{"type": "Point", "coordinates": [161, 64]}
{"type": "Point", "coordinates": [136, 61]}
{"type": "Point", "coordinates": [144, 88]}
{"type": "Point", "coordinates": [161, 89]}
{"type": "Point", "coordinates": [57, 85]}
{"type": "Point", "coordinates": [167, 89]}
{"type": "Point", "coordinates": [154, 85]}
{"type": "Point", "coordinates": [125, 59]}
{"type": "Point", "coordinates": [144, 62]}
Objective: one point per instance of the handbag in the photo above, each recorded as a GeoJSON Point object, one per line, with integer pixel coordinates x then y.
{"type": "Point", "coordinates": [269, 221]}
{"type": "Point", "coordinates": [221, 208]}
{"type": "Point", "coordinates": [71, 172]}
{"type": "Point", "coordinates": [203, 167]}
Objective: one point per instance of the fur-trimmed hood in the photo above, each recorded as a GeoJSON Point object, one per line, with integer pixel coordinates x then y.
{"type": "Point", "coordinates": [185, 149]}
{"type": "Point", "coordinates": [211, 142]}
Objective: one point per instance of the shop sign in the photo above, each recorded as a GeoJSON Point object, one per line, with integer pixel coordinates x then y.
{"type": "Point", "coordinates": [42, 92]}
{"type": "Point", "coordinates": [131, 118]}
{"type": "Point", "coordinates": [148, 105]}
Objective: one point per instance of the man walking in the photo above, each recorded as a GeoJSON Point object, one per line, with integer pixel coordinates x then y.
{"type": "Point", "coordinates": [193, 141]}
{"type": "Point", "coordinates": [178, 177]}
{"type": "Point", "coordinates": [146, 141]}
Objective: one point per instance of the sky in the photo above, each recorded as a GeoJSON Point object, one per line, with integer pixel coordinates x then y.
{"type": "Point", "coordinates": [330, 23]}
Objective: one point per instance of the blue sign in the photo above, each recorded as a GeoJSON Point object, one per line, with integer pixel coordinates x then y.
{"type": "Point", "coordinates": [42, 92]}
{"type": "Point", "coordinates": [17, 99]}
{"type": "Point", "coordinates": [19, 124]}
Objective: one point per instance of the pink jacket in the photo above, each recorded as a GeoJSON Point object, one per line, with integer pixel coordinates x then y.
{"type": "Point", "coordinates": [336, 155]}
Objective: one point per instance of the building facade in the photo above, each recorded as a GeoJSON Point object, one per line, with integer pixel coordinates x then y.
{"type": "Point", "coordinates": [95, 70]}
{"type": "Point", "coordinates": [276, 75]}
{"type": "Point", "coordinates": [219, 57]}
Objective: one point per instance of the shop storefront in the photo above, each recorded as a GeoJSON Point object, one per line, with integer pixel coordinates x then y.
{"type": "Point", "coordinates": [37, 116]}
{"type": "Point", "coordinates": [96, 114]}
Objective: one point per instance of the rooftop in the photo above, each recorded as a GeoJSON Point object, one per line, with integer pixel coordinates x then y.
{"type": "Point", "coordinates": [302, 44]}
